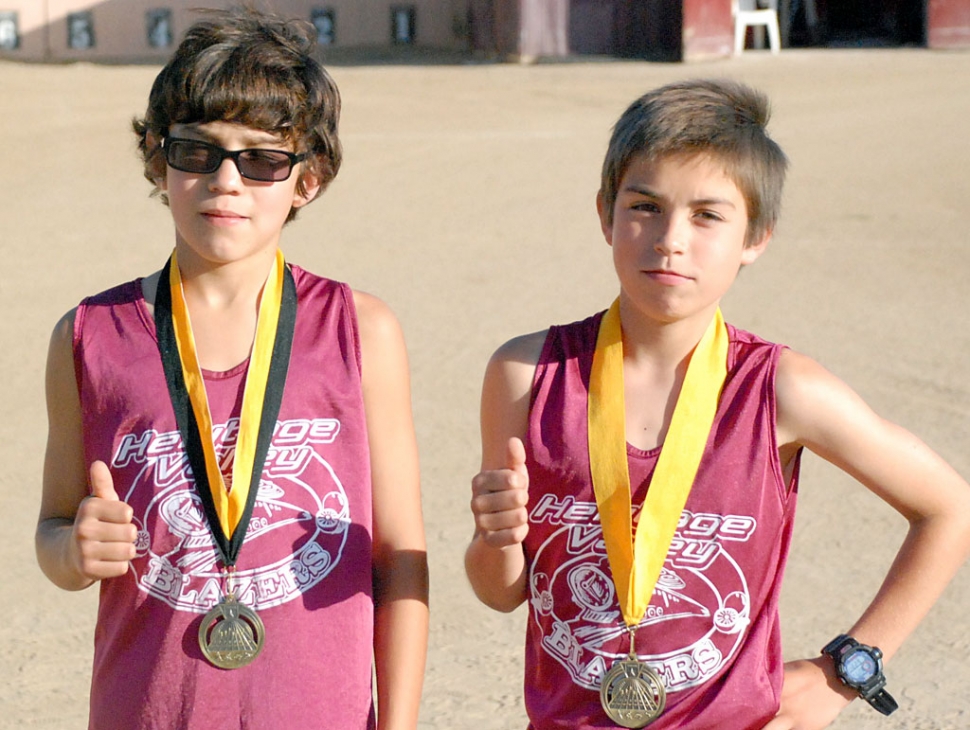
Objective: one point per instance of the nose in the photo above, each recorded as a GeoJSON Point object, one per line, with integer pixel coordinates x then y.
{"type": "Point", "coordinates": [670, 236]}
{"type": "Point", "coordinates": [226, 177]}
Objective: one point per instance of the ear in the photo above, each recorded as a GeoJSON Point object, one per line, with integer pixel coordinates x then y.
{"type": "Point", "coordinates": [752, 251]}
{"type": "Point", "coordinates": [311, 187]}
{"type": "Point", "coordinates": [603, 213]}
{"type": "Point", "coordinates": [157, 163]}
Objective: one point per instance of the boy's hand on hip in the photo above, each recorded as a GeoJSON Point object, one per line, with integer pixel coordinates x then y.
{"type": "Point", "coordinates": [499, 498]}
{"type": "Point", "coordinates": [104, 536]}
{"type": "Point", "coordinates": [811, 697]}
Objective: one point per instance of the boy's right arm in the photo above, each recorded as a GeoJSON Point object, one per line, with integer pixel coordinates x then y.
{"type": "Point", "coordinates": [82, 536]}
{"type": "Point", "coordinates": [495, 561]}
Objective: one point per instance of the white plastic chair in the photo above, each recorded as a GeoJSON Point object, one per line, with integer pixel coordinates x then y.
{"type": "Point", "coordinates": [750, 13]}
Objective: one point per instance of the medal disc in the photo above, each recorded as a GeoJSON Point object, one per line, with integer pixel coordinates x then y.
{"type": "Point", "coordinates": [231, 634]}
{"type": "Point", "coordinates": [632, 694]}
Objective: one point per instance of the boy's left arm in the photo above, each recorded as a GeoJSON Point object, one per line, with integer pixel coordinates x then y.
{"type": "Point", "coordinates": [400, 553]}
{"type": "Point", "coordinates": [820, 412]}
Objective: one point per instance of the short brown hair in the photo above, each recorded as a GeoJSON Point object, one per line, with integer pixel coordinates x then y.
{"type": "Point", "coordinates": [250, 68]}
{"type": "Point", "coordinates": [724, 120]}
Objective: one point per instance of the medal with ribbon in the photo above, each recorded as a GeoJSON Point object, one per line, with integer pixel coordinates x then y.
{"type": "Point", "coordinates": [231, 634]}
{"type": "Point", "coordinates": [632, 693]}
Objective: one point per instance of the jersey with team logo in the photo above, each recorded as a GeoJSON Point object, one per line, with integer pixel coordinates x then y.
{"type": "Point", "coordinates": [305, 565]}
{"type": "Point", "coordinates": [711, 630]}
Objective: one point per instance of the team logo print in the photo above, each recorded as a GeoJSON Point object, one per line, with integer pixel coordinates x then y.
{"type": "Point", "coordinates": [693, 625]}
{"type": "Point", "coordinates": [303, 530]}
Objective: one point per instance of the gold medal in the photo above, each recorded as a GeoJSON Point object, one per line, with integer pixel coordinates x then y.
{"type": "Point", "coordinates": [231, 634]}
{"type": "Point", "coordinates": [632, 693]}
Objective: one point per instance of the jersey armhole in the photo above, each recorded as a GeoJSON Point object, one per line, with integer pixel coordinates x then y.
{"type": "Point", "coordinates": [787, 487]}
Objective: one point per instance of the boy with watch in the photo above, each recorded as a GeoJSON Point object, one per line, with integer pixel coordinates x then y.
{"type": "Point", "coordinates": [658, 415]}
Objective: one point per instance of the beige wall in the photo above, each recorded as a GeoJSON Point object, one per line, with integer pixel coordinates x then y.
{"type": "Point", "coordinates": [120, 27]}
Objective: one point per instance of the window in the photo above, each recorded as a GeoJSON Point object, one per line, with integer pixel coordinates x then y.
{"type": "Point", "coordinates": [80, 30]}
{"type": "Point", "coordinates": [324, 20]}
{"type": "Point", "coordinates": [402, 24]}
{"type": "Point", "coordinates": [159, 28]}
{"type": "Point", "coordinates": [9, 32]}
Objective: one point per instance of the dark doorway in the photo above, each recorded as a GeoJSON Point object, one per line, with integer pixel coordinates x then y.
{"type": "Point", "coordinates": [862, 23]}
{"type": "Point", "coordinates": [592, 26]}
{"type": "Point", "coordinates": [650, 29]}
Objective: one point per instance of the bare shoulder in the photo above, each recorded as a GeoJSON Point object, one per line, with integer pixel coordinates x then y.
{"type": "Point", "coordinates": [61, 348]}
{"type": "Point", "coordinates": [65, 325]}
{"type": "Point", "coordinates": [506, 395]}
{"type": "Point", "coordinates": [799, 381]}
{"type": "Point", "coordinates": [515, 361]}
{"type": "Point", "coordinates": [816, 408]}
{"type": "Point", "coordinates": [375, 320]}
{"type": "Point", "coordinates": [796, 373]}
{"type": "Point", "coordinates": [60, 378]}
{"type": "Point", "coordinates": [524, 348]}
{"type": "Point", "coordinates": [373, 312]}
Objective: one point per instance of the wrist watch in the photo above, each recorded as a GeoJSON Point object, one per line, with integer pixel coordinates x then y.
{"type": "Point", "coordinates": [859, 667]}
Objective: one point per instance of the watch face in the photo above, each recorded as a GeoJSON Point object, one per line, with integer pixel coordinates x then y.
{"type": "Point", "coordinates": [859, 667]}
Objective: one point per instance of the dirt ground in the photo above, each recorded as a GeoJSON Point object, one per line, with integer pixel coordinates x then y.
{"type": "Point", "coordinates": [466, 201]}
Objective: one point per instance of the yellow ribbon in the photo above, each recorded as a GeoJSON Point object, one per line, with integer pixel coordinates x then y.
{"type": "Point", "coordinates": [636, 563]}
{"type": "Point", "coordinates": [230, 502]}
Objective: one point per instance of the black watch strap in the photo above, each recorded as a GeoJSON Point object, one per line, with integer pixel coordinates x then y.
{"type": "Point", "coordinates": [835, 647]}
{"type": "Point", "coordinates": [883, 701]}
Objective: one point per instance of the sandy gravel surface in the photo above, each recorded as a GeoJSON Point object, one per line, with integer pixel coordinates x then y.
{"type": "Point", "coordinates": [466, 202]}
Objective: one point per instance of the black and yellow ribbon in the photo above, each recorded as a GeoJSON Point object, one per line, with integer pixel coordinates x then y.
{"type": "Point", "coordinates": [227, 509]}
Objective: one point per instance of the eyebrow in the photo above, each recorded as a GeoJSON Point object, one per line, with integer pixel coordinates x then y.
{"type": "Point", "coordinates": [648, 193]}
{"type": "Point", "coordinates": [259, 138]}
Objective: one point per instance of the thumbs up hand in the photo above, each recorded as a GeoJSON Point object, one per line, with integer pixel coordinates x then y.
{"type": "Point", "coordinates": [104, 535]}
{"type": "Point", "coordinates": [499, 499]}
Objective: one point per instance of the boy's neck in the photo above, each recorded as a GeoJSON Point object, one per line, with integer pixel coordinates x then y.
{"type": "Point", "coordinates": [223, 301]}
{"type": "Point", "coordinates": [666, 344]}
{"type": "Point", "coordinates": [223, 286]}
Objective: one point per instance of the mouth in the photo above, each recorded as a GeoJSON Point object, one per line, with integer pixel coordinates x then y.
{"type": "Point", "coordinates": [223, 217]}
{"type": "Point", "coordinates": [667, 276]}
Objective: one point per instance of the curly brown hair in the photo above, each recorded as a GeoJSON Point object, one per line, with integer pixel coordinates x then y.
{"type": "Point", "coordinates": [251, 68]}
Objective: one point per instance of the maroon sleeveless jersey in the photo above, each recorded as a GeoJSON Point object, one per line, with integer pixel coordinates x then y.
{"type": "Point", "coordinates": [305, 565]}
{"type": "Point", "coordinates": [711, 629]}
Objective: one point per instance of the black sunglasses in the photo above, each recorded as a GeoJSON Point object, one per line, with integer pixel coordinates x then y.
{"type": "Point", "coordinates": [202, 158]}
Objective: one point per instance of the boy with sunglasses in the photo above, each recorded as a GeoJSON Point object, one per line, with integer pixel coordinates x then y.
{"type": "Point", "coordinates": [231, 453]}
{"type": "Point", "coordinates": [640, 467]}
